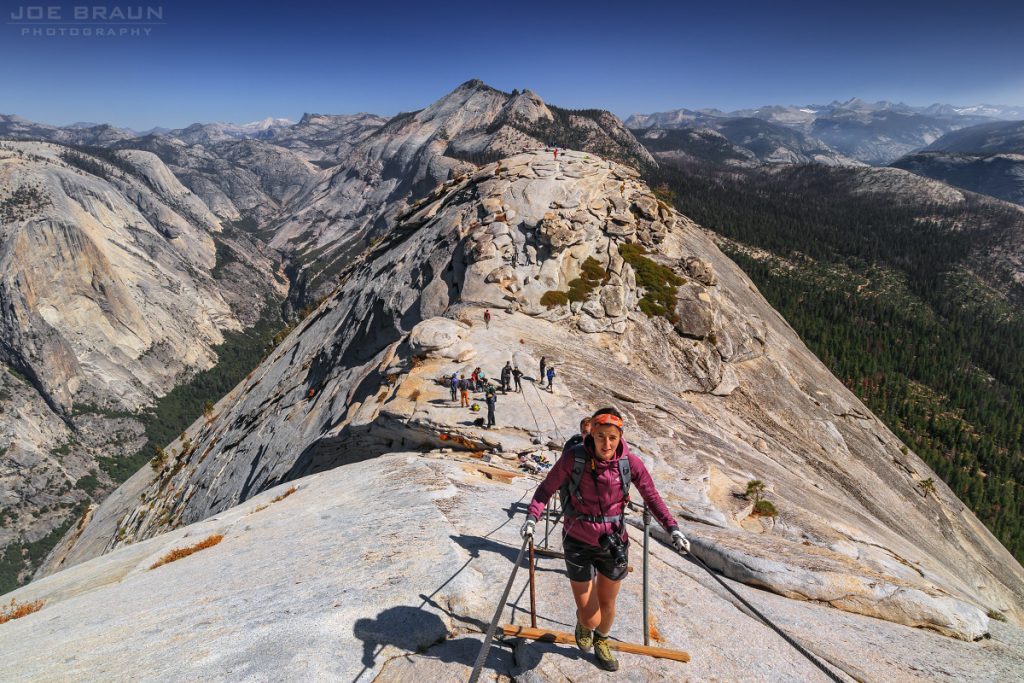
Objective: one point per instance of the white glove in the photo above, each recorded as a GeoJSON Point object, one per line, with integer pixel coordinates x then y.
{"type": "Point", "coordinates": [527, 530]}
{"type": "Point", "coordinates": [679, 541]}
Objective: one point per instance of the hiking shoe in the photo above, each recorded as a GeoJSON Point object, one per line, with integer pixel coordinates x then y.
{"type": "Point", "coordinates": [584, 637]}
{"type": "Point", "coordinates": [605, 659]}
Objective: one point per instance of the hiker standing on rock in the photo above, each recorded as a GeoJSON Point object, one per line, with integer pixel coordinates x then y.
{"type": "Point", "coordinates": [453, 384]}
{"type": "Point", "coordinates": [464, 388]}
{"type": "Point", "coordinates": [543, 364]}
{"type": "Point", "coordinates": [551, 379]}
{"type": "Point", "coordinates": [517, 375]}
{"type": "Point", "coordinates": [487, 318]}
{"type": "Point", "coordinates": [506, 377]}
{"type": "Point", "coordinates": [593, 481]}
{"type": "Point", "coordinates": [492, 399]}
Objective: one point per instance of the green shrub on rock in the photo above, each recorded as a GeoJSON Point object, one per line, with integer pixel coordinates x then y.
{"type": "Point", "coordinates": [553, 298]}
{"type": "Point", "coordinates": [659, 282]}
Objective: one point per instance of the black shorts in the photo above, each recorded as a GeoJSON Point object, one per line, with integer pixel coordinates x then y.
{"type": "Point", "coordinates": [581, 559]}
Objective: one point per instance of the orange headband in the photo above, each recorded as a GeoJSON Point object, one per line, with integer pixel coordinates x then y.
{"type": "Point", "coordinates": [606, 419]}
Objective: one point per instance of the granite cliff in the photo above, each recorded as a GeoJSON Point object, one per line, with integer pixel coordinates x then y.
{"type": "Point", "coordinates": [117, 283]}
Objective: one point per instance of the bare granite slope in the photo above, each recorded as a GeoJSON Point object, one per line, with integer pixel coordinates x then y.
{"type": "Point", "coordinates": [389, 570]}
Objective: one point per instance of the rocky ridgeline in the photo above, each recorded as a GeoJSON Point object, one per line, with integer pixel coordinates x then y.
{"type": "Point", "coordinates": [411, 154]}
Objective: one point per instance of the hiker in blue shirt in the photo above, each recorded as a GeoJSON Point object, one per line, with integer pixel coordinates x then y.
{"type": "Point", "coordinates": [551, 378]}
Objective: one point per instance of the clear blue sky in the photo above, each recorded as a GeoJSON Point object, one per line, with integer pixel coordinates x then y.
{"type": "Point", "coordinates": [214, 63]}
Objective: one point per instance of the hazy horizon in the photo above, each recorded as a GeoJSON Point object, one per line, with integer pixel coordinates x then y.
{"type": "Point", "coordinates": [295, 118]}
{"type": "Point", "coordinates": [198, 62]}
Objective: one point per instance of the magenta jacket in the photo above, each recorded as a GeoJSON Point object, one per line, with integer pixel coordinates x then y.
{"type": "Point", "coordinates": [608, 487]}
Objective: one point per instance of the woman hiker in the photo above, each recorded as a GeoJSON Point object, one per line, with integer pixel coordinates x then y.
{"type": "Point", "coordinates": [593, 529]}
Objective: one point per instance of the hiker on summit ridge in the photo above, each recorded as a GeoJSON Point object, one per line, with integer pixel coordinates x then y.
{"type": "Point", "coordinates": [593, 480]}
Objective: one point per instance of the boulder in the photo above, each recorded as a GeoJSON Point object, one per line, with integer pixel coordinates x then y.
{"type": "Point", "coordinates": [434, 301]}
{"type": "Point", "coordinates": [613, 298]}
{"type": "Point", "coordinates": [593, 308]}
{"type": "Point", "coordinates": [483, 250]}
{"type": "Point", "coordinates": [700, 270]}
{"type": "Point", "coordinates": [619, 229]}
{"type": "Point", "coordinates": [647, 207]}
{"type": "Point", "coordinates": [439, 338]}
{"type": "Point", "coordinates": [497, 229]}
{"type": "Point", "coordinates": [695, 316]}
{"type": "Point", "coordinates": [592, 325]}
{"type": "Point", "coordinates": [501, 274]}
{"type": "Point", "coordinates": [559, 232]}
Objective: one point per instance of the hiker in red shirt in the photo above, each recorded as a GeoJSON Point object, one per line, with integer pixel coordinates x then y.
{"type": "Point", "coordinates": [594, 483]}
{"type": "Point", "coordinates": [487, 318]}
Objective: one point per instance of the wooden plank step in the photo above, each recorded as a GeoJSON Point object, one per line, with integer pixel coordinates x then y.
{"type": "Point", "coordinates": [564, 638]}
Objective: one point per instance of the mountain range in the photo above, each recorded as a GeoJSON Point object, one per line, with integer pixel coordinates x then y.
{"type": "Point", "coordinates": [876, 134]}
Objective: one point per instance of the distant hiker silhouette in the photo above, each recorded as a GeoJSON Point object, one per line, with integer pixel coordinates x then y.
{"type": "Point", "coordinates": [492, 399]}
{"type": "Point", "coordinates": [517, 375]}
{"type": "Point", "coordinates": [556, 154]}
{"type": "Point", "coordinates": [487, 318]}
{"type": "Point", "coordinates": [506, 377]}
{"type": "Point", "coordinates": [543, 364]}
{"type": "Point", "coordinates": [551, 379]}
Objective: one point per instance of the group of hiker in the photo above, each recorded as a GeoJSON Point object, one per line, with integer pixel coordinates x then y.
{"type": "Point", "coordinates": [461, 386]}
{"type": "Point", "coordinates": [511, 379]}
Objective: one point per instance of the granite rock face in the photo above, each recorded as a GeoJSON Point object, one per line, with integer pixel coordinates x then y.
{"type": "Point", "coordinates": [114, 288]}
{"type": "Point", "coordinates": [390, 570]}
{"type": "Point", "coordinates": [358, 379]}
{"type": "Point", "coordinates": [345, 206]}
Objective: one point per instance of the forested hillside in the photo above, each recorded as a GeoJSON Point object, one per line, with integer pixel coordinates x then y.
{"type": "Point", "coordinates": [901, 298]}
